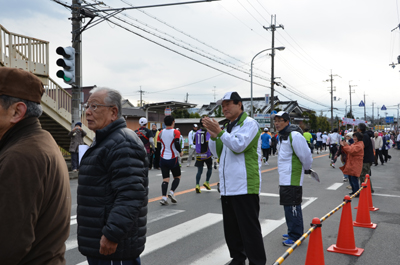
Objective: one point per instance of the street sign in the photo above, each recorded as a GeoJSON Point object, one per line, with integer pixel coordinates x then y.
{"type": "Point", "coordinates": [167, 111]}
{"type": "Point", "coordinates": [383, 107]}
{"type": "Point", "coordinates": [263, 119]}
{"type": "Point", "coordinates": [361, 104]}
{"type": "Point", "coordinates": [274, 112]}
{"type": "Point", "coordinates": [389, 119]}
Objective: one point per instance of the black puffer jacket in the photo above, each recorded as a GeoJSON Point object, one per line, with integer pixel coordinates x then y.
{"type": "Point", "coordinates": [112, 193]}
{"type": "Point", "coordinates": [368, 149]}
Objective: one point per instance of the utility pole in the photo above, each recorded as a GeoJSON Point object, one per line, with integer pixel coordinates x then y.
{"type": "Point", "coordinates": [77, 45]}
{"type": "Point", "coordinates": [345, 110]}
{"type": "Point", "coordinates": [331, 80]}
{"type": "Point", "coordinates": [141, 93]}
{"type": "Point", "coordinates": [187, 98]}
{"type": "Point", "coordinates": [350, 92]}
{"type": "Point", "coordinates": [273, 27]}
{"type": "Point", "coordinates": [377, 110]}
{"type": "Point", "coordinates": [214, 94]}
{"type": "Point", "coordinates": [365, 109]}
{"type": "Point", "coordinates": [373, 111]}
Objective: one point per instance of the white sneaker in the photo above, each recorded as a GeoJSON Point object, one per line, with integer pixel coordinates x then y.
{"type": "Point", "coordinates": [266, 163]}
{"type": "Point", "coordinates": [333, 165]}
{"type": "Point", "coordinates": [172, 197]}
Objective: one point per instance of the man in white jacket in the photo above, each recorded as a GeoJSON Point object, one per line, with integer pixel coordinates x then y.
{"type": "Point", "coordinates": [294, 160]}
{"type": "Point", "coordinates": [238, 147]}
{"type": "Point", "coordinates": [192, 147]}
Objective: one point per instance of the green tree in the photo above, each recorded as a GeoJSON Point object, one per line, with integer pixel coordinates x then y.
{"type": "Point", "coordinates": [181, 113]}
{"type": "Point", "coordinates": [194, 115]}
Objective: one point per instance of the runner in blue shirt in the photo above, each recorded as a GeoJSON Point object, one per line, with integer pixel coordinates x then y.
{"type": "Point", "coordinates": [265, 145]}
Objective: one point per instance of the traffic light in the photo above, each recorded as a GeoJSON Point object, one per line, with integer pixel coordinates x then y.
{"type": "Point", "coordinates": [68, 63]}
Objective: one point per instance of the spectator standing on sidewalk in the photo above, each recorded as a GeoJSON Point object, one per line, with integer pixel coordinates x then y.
{"type": "Point", "coordinates": [354, 160]}
{"type": "Point", "coordinates": [294, 160]}
{"type": "Point", "coordinates": [35, 197]}
{"type": "Point", "coordinates": [238, 147]}
{"type": "Point", "coordinates": [76, 135]}
{"type": "Point", "coordinates": [369, 157]}
{"type": "Point", "coordinates": [378, 148]}
{"type": "Point", "coordinates": [112, 186]}
{"type": "Point", "coordinates": [192, 148]}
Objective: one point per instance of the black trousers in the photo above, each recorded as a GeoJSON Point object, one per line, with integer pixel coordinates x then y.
{"type": "Point", "coordinates": [157, 156]}
{"type": "Point", "coordinates": [378, 153]}
{"type": "Point", "coordinates": [386, 155]}
{"type": "Point", "coordinates": [242, 229]}
{"type": "Point", "coordinates": [266, 153]}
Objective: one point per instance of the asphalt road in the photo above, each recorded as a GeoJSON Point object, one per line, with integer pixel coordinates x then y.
{"type": "Point", "coordinates": [191, 232]}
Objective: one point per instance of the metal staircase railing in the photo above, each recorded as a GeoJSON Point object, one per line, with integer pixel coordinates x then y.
{"type": "Point", "coordinates": [31, 54]}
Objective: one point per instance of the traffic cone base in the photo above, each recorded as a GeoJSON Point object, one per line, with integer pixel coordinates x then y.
{"type": "Point", "coordinates": [366, 225]}
{"type": "Point", "coordinates": [371, 209]}
{"type": "Point", "coordinates": [355, 252]}
{"type": "Point", "coordinates": [345, 243]}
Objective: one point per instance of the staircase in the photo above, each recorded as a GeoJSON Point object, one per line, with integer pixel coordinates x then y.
{"type": "Point", "coordinates": [32, 55]}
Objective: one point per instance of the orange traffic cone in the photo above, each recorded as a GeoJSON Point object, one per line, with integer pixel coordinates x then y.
{"type": "Point", "coordinates": [370, 203]}
{"type": "Point", "coordinates": [345, 243]}
{"type": "Point", "coordinates": [315, 250]}
{"type": "Point", "coordinates": [363, 218]}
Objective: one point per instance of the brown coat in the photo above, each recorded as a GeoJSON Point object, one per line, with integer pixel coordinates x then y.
{"type": "Point", "coordinates": [76, 139]}
{"type": "Point", "coordinates": [35, 197]}
{"type": "Point", "coordinates": [355, 156]}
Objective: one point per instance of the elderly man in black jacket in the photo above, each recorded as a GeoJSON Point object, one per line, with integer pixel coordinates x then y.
{"type": "Point", "coordinates": [112, 186]}
{"type": "Point", "coordinates": [369, 157]}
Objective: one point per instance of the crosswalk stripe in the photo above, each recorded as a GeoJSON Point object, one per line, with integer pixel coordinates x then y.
{"type": "Point", "coordinates": [178, 232]}
{"type": "Point", "coordinates": [160, 214]}
{"type": "Point", "coordinates": [220, 255]}
{"type": "Point", "coordinates": [334, 186]}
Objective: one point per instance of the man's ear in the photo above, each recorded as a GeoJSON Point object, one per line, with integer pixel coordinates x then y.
{"type": "Point", "coordinates": [114, 115]}
{"type": "Point", "coordinates": [18, 112]}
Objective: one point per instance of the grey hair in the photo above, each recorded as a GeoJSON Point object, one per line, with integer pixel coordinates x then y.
{"type": "Point", "coordinates": [33, 109]}
{"type": "Point", "coordinates": [113, 97]}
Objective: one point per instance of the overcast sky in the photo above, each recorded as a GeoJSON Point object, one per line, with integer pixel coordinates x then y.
{"type": "Point", "coordinates": [351, 38]}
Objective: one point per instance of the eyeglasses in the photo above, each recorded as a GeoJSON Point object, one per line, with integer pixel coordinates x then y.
{"type": "Point", "coordinates": [281, 120]}
{"type": "Point", "coordinates": [93, 106]}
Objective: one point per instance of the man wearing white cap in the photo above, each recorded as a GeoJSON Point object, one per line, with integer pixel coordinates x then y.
{"type": "Point", "coordinates": [294, 160]}
{"type": "Point", "coordinates": [147, 138]}
{"type": "Point", "coordinates": [192, 147]}
{"type": "Point", "coordinates": [238, 146]}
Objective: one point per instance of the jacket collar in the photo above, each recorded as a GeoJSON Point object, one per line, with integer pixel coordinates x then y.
{"type": "Point", "coordinates": [103, 133]}
{"type": "Point", "coordinates": [22, 128]}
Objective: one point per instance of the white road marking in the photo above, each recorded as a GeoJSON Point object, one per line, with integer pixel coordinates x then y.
{"type": "Point", "coordinates": [334, 186]}
{"type": "Point", "coordinates": [160, 214]}
{"type": "Point", "coordinates": [178, 232]}
{"type": "Point", "coordinates": [386, 195]}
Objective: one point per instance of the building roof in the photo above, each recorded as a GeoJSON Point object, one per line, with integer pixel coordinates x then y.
{"type": "Point", "coordinates": [160, 106]}
{"type": "Point", "coordinates": [133, 112]}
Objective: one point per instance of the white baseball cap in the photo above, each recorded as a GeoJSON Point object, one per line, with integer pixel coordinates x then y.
{"type": "Point", "coordinates": [142, 121]}
{"type": "Point", "coordinates": [229, 96]}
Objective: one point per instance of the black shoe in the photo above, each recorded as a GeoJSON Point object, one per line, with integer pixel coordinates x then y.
{"type": "Point", "coordinates": [376, 164]}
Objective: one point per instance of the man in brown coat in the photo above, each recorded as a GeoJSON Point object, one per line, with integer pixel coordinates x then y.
{"type": "Point", "coordinates": [35, 197]}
